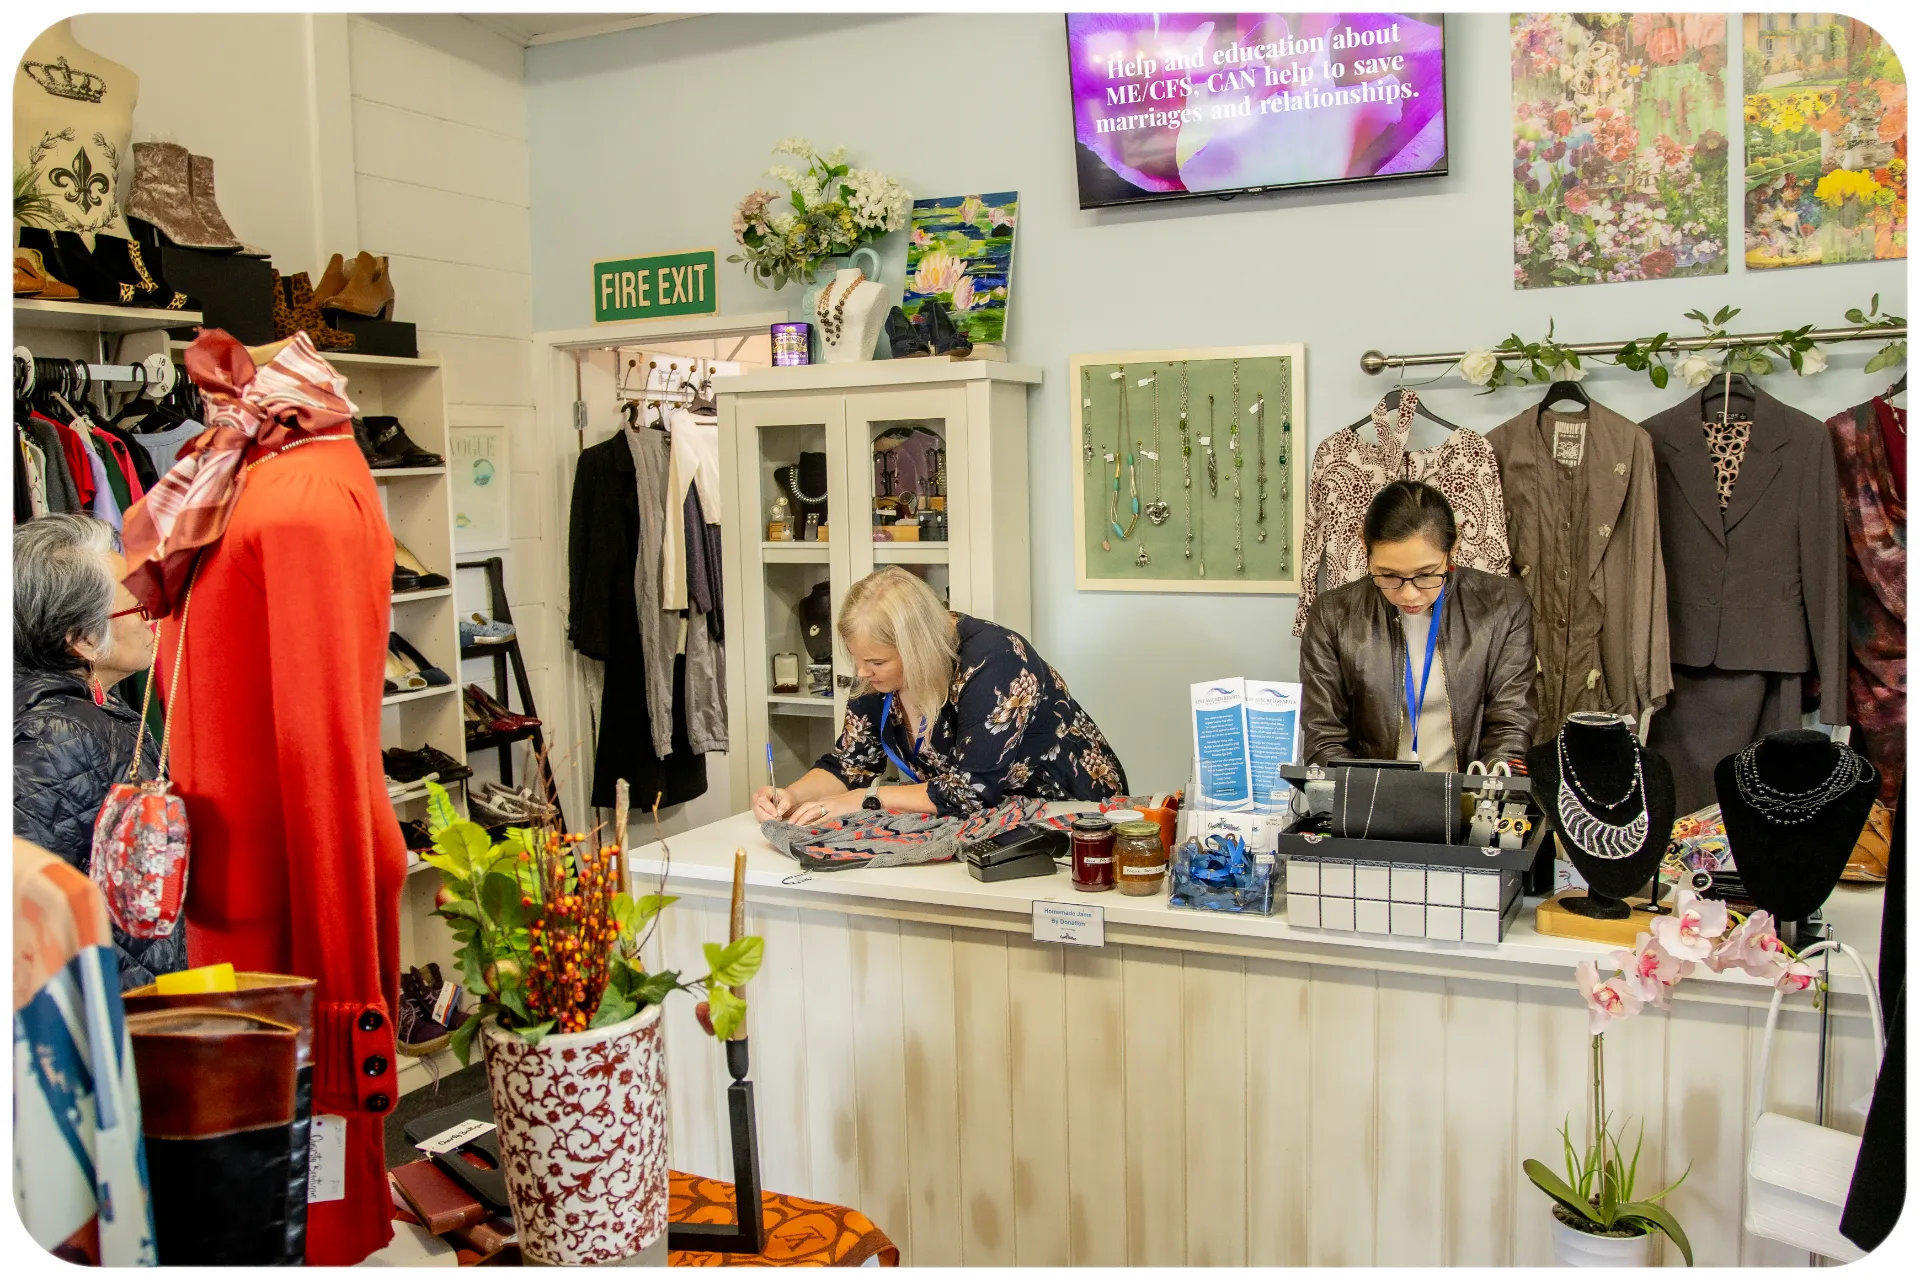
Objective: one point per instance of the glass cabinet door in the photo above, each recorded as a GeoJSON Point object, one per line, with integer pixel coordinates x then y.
{"type": "Point", "coordinates": [793, 445]}
{"type": "Point", "coordinates": [900, 460]}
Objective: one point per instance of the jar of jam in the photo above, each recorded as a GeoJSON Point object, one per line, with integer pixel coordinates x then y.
{"type": "Point", "coordinates": [1092, 853]}
{"type": "Point", "coordinates": [1139, 859]}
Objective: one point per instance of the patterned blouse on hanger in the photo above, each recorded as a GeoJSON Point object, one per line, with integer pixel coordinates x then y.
{"type": "Point", "coordinates": [1349, 469]}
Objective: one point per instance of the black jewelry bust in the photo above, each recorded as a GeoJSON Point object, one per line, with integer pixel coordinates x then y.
{"type": "Point", "coordinates": [1791, 855]}
{"type": "Point", "coordinates": [805, 486]}
{"type": "Point", "coordinates": [1600, 752]}
{"type": "Point", "coordinates": [816, 622]}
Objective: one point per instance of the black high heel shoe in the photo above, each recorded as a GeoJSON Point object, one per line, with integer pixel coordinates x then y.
{"type": "Point", "coordinates": [948, 339]}
{"type": "Point", "coordinates": [67, 258]}
{"type": "Point", "coordinates": [904, 338]}
{"type": "Point", "coordinates": [410, 656]}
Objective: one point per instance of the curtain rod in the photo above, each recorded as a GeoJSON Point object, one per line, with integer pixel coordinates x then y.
{"type": "Point", "coordinates": [1375, 362]}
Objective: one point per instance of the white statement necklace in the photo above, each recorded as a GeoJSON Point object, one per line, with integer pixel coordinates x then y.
{"type": "Point", "coordinates": [1590, 833]}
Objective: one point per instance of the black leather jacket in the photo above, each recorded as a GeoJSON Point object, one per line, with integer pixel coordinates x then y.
{"type": "Point", "coordinates": [66, 753]}
{"type": "Point", "coordinates": [1353, 659]}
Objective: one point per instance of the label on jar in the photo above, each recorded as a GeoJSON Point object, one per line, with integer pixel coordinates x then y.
{"type": "Point", "coordinates": [1155, 870]}
{"type": "Point", "coordinates": [1096, 862]}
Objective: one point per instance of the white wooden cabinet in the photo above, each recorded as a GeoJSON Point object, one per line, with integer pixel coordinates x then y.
{"type": "Point", "coordinates": [767, 419]}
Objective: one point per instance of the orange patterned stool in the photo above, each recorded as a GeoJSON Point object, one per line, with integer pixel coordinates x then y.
{"type": "Point", "coordinates": [800, 1233]}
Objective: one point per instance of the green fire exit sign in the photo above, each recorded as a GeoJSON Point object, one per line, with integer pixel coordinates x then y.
{"type": "Point", "coordinates": [656, 287]}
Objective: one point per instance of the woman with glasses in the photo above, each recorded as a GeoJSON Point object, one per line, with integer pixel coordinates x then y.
{"type": "Point", "coordinates": [77, 633]}
{"type": "Point", "coordinates": [1420, 660]}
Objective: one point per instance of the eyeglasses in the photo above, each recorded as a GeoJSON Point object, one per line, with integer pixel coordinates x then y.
{"type": "Point", "coordinates": [139, 609]}
{"type": "Point", "coordinates": [1424, 581]}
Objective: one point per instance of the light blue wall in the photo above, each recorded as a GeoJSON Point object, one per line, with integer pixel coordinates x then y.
{"type": "Point", "coordinates": [644, 141]}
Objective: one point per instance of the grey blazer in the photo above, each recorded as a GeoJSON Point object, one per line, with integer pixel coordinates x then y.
{"type": "Point", "coordinates": [1761, 586]}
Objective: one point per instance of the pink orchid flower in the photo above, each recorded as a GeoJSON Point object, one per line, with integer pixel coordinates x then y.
{"type": "Point", "coordinates": [1688, 933]}
{"type": "Point", "coordinates": [1606, 1001]}
{"type": "Point", "coordinates": [1753, 947]}
{"type": "Point", "coordinates": [1793, 977]}
{"type": "Point", "coordinates": [1650, 972]}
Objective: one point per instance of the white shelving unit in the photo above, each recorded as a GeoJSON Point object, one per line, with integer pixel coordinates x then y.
{"type": "Point", "coordinates": [767, 419]}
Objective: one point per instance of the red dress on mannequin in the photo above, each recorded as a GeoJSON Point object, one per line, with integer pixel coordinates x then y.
{"type": "Point", "coordinates": [297, 861]}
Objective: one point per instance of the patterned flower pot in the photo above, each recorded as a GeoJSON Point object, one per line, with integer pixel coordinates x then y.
{"type": "Point", "coordinates": [583, 1137]}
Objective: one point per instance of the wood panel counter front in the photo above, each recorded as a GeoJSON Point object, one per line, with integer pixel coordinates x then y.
{"type": "Point", "coordinates": [1205, 1089]}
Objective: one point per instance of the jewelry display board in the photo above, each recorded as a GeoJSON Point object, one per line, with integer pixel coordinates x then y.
{"type": "Point", "coordinates": [1192, 469]}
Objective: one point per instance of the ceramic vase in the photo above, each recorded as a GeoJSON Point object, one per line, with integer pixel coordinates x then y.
{"type": "Point", "coordinates": [583, 1138]}
{"type": "Point", "coordinates": [1575, 1248]}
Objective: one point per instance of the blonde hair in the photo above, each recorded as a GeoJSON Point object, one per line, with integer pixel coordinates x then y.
{"type": "Point", "coordinates": [892, 607]}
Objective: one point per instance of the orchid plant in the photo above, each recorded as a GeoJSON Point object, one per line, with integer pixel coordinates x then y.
{"type": "Point", "coordinates": [1597, 1193]}
{"type": "Point", "coordinates": [1517, 362]}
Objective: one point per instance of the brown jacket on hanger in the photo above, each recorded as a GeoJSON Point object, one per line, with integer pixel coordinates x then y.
{"type": "Point", "coordinates": [1586, 545]}
{"type": "Point", "coordinates": [1761, 586]}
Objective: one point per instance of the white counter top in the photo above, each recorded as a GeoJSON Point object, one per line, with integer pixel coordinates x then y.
{"type": "Point", "coordinates": [944, 893]}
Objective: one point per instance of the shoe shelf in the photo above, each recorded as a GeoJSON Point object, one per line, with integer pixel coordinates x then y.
{"type": "Point", "coordinates": [349, 360]}
{"type": "Point", "coordinates": [415, 695]}
{"type": "Point", "coordinates": [407, 473]}
{"type": "Point", "coordinates": [910, 553]}
{"type": "Point", "coordinates": [795, 552]}
{"type": "Point", "coordinates": [425, 593]}
{"type": "Point", "coordinates": [91, 317]}
{"type": "Point", "coordinates": [506, 738]}
{"type": "Point", "coordinates": [484, 650]}
{"type": "Point", "coordinates": [799, 704]}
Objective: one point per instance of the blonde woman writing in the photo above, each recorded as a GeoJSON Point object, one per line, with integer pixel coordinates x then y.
{"type": "Point", "coordinates": [965, 710]}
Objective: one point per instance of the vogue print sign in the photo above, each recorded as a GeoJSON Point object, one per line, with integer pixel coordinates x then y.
{"type": "Point", "coordinates": [1167, 105]}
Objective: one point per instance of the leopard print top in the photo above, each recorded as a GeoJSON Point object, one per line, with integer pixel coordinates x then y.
{"type": "Point", "coordinates": [1727, 446]}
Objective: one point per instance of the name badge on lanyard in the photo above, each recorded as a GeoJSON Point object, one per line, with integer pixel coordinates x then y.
{"type": "Point", "coordinates": [1416, 703]}
{"type": "Point", "coordinates": [886, 718]}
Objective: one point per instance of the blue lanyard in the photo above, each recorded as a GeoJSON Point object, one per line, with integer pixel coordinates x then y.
{"type": "Point", "coordinates": [1414, 706]}
{"type": "Point", "coordinates": [886, 718]}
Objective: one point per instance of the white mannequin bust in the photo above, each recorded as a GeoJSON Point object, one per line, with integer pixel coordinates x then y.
{"type": "Point", "coordinates": [861, 319]}
{"type": "Point", "coordinates": [73, 126]}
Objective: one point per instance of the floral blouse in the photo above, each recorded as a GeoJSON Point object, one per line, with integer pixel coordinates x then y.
{"type": "Point", "coordinates": [1008, 728]}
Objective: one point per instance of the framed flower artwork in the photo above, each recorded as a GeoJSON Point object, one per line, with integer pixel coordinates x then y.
{"type": "Point", "coordinates": [960, 253]}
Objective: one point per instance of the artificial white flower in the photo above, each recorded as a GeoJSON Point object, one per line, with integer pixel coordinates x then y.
{"type": "Point", "coordinates": [793, 147]}
{"type": "Point", "coordinates": [836, 157]}
{"type": "Point", "coordinates": [877, 201]}
{"type": "Point", "coordinates": [785, 173]}
{"type": "Point", "coordinates": [1701, 367]}
{"type": "Point", "coordinates": [1569, 372]}
{"type": "Point", "coordinates": [1812, 361]}
{"type": "Point", "coordinates": [1477, 367]}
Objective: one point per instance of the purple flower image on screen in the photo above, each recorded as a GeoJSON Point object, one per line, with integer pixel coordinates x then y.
{"type": "Point", "coordinates": [1168, 105]}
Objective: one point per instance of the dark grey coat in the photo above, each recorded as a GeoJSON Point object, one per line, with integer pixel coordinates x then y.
{"type": "Point", "coordinates": [66, 753]}
{"type": "Point", "coordinates": [1763, 585]}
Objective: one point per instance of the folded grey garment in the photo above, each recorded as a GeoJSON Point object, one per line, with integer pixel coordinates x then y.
{"type": "Point", "coordinates": [880, 838]}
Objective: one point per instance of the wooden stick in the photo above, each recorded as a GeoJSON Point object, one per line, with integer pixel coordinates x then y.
{"type": "Point", "coordinates": [620, 834]}
{"type": "Point", "coordinates": [737, 918]}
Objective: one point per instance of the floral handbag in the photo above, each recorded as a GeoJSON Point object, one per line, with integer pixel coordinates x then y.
{"type": "Point", "coordinates": [140, 839]}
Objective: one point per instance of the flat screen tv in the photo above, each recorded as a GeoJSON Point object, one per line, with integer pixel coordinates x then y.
{"type": "Point", "coordinates": [1173, 105]}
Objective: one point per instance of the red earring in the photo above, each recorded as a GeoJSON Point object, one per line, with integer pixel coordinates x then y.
{"type": "Point", "coordinates": [99, 692]}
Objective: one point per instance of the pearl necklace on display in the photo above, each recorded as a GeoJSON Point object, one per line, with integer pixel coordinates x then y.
{"type": "Point", "coordinates": [833, 320]}
{"type": "Point", "coordinates": [1594, 835]}
{"type": "Point", "coordinates": [1791, 808]}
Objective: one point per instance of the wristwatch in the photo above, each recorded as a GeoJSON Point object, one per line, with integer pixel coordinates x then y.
{"type": "Point", "coordinates": [873, 796]}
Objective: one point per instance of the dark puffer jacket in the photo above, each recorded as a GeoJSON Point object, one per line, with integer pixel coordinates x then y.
{"type": "Point", "coordinates": [66, 753]}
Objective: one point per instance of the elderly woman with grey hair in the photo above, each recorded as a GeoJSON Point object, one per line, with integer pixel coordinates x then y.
{"type": "Point", "coordinates": [77, 632]}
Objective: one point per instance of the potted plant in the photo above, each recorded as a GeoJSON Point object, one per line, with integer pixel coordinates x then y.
{"type": "Point", "coordinates": [1597, 1219]}
{"type": "Point", "coordinates": [550, 948]}
{"type": "Point", "coordinates": [833, 211]}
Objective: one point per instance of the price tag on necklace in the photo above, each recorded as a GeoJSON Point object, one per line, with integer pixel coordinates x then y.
{"type": "Point", "coordinates": [1150, 455]}
{"type": "Point", "coordinates": [1144, 382]}
{"type": "Point", "coordinates": [1206, 439]}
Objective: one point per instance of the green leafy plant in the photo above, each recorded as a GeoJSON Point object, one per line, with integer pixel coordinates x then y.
{"type": "Point", "coordinates": [1895, 352]}
{"type": "Point", "coordinates": [548, 940]}
{"type": "Point", "coordinates": [31, 206]}
{"type": "Point", "coordinates": [834, 210]}
{"type": "Point", "coordinates": [1597, 1193]}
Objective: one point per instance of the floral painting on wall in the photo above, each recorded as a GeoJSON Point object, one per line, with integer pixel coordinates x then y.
{"type": "Point", "coordinates": [960, 251]}
{"type": "Point", "coordinates": [1826, 121]}
{"type": "Point", "coordinates": [1619, 147]}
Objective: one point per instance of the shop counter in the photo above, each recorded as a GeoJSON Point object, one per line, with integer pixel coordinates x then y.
{"type": "Point", "coordinates": [1205, 1088]}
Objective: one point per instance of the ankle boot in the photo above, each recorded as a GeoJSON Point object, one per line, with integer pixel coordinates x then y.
{"type": "Point", "coordinates": [947, 339]}
{"type": "Point", "coordinates": [368, 291]}
{"type": "Point", "coordinates": [206, 207]}
{"type": "Point", "coordinates": [332, 281]}
{"type": "Point", "coordinates": [91, 284]}
{"type": "Point", "coordinates": [293, 311]}
{"type": "Point", "coordinates": [30, 268]}
{"type": "Point", "coordinates": [163, 195]}
{"type": "Point", "coordinates": [903, 338]}
{"type": "Point", "coordinates": [122, 260]}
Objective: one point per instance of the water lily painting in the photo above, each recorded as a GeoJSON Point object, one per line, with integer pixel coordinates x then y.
{"type": "Point", "coordinates": [960, 252]}
{"type": "Point", "coordinates": [1825, 106]}
{"type": "Point", "coordinates": [1619, 147]}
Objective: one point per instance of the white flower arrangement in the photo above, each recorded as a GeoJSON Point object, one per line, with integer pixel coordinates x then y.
{"type": "Point", "coordinates": [835, 210]}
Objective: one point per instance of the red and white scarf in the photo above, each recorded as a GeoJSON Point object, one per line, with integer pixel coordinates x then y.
{"type": "Point", "coordinates": [249, 412]}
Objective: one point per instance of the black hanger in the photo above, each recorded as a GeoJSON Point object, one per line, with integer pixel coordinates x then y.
{"type": "Point", "coordinates": [1730, 387]}
{"type": "Point", "coordinates": [1898, 388]}
{"type": "Point", "coordinates": [1391, 401]}
{"type": "Point", "coordinates": [1565, 391]}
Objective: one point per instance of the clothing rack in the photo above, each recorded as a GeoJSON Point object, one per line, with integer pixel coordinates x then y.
{"type": "Point", "coordinates": [154, 377]}
{"type": "Point", "coordinates": [1375, 362]}
{"type": "Point", "coordinates": [678, 388]}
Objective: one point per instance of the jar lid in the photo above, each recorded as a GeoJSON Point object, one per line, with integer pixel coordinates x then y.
{"type": "Point", "coordinates": [1091, 822]}
{"type": "Point", "coordinates": [1138, 829]}
{"type": "Point", "coordinates": [1126, 815]}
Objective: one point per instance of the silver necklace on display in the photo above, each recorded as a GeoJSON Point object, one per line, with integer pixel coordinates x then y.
{"type": "Point", "coordinates": [793, 487]}
{"type": "Point", "coordinates": [1123, 421]}
{"type": "Point", "coordinates": [1239, 510]}
{"type": "Point", "coordinates": [1791, 808]}
{"type": "Point", "coordinates": [1086, 415]}
{"type": "Point", "coordinates": [1594, 835]}
{"type": "Point", "coordinates": [1157, 510]}
{"type": "Point", "coordinates": [1260, 472]}
{"type": "Point", "coordinates": [1186, 458]}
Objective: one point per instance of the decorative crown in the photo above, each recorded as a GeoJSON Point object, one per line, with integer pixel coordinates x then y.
{"type": "Point", "coordinates": [62, 81]}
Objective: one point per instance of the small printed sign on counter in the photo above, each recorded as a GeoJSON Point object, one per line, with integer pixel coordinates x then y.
{"type": "Point", "coordinates": [1070, 922]}
{"type": "Point", "coordinates": [447, 1139]}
